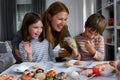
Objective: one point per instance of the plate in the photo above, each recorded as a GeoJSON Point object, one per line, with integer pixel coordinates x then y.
{"type": "Point", "coordinates": [83, 65]}
{"type": "Point", "coordinates": [73, 76]}
{"type": "Point", "coordinates": [80, 78]}
{"type": "Point", "coordinates": [96, 63]}
{"type": "Point", "coordinates": [20, 68]}
{"type": "Point", "coordinates": [28, 65]}
{"type": "Point", "coordinates": [108, 70]}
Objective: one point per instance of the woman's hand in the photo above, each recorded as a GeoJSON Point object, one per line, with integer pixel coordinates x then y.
{"type": "Point", "coordinates": [71, 42]}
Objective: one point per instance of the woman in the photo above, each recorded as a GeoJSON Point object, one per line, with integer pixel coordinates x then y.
{"type": "Point", "coordinates": [54, 19]}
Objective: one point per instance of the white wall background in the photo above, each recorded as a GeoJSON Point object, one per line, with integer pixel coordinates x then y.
{"type": "Point", "coordinates": [79, 11]}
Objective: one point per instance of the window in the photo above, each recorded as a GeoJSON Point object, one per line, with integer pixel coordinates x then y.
{"type": "Point", "coordinates": [23, 6]}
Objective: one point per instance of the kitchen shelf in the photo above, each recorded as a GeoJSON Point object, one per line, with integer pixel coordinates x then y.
{"type": "Point", "coordinates": [111, 9]}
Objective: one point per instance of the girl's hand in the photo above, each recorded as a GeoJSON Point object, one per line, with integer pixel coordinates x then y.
{"type": "Point", "coordinates": [27, 47]}
{"type": "Point", "coordinates": [90, 47]}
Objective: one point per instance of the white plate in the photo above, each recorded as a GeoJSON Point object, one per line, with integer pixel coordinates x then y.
{"type": "Point", "coordinates": [27, 65]}
{"type": "Point", "coordinates": [78, 77]}
{"type": "Point", "coordinates": [21, 68]}
{"type": "Point", "coordinates": [84, 65]}
{"type": "Point", "coordinates": [95, 63]}
{"type": "Point", "coordinates": [108, 71]}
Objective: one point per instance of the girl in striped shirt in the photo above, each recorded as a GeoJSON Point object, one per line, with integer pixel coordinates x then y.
{"type": "Point", "coordinates": [34, 47]}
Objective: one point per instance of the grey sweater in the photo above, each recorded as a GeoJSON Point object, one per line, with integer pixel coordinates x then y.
{"type": "Point", "coordinates": [41, 51]}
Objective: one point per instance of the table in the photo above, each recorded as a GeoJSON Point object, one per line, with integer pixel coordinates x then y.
{"type": "Point", "coordinates": [58, 69]}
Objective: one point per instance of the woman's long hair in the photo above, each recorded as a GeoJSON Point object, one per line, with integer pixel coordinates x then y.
{"type": "Point", "coordinates": [53, 9]}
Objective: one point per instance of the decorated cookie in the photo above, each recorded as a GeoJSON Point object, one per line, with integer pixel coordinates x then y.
{"type": "Point", "coordinates": [78, 63]}
{"type": "Point", "coordinates": [68, 64]}
{"type": "Point", "coordinates": [40, 76]}
{"type": "Point", "coordinates": [50, 73]}
{"type": "Point", "coordinates": [35, 67]}
{"type": "Point", "coordinates": [61, 76]}
{"type": "Point", "coordinates": [39, 70]}
{"type": "Point", "coordinates": [50, 78]}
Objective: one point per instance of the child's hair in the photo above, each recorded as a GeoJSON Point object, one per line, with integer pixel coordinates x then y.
{"type": "Point", "coordinates": [96, 22]}
{"type": "Point", "coordinates": [29, 19]}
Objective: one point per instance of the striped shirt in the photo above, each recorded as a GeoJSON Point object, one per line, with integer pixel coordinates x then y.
{"type": "Point", "coordinates": [99, 46]}
{"type": "Point", "coordinates": [41, 51]}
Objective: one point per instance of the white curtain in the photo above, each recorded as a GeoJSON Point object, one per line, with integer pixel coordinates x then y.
{"type": "Point", "coordinates": [88, 8]}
